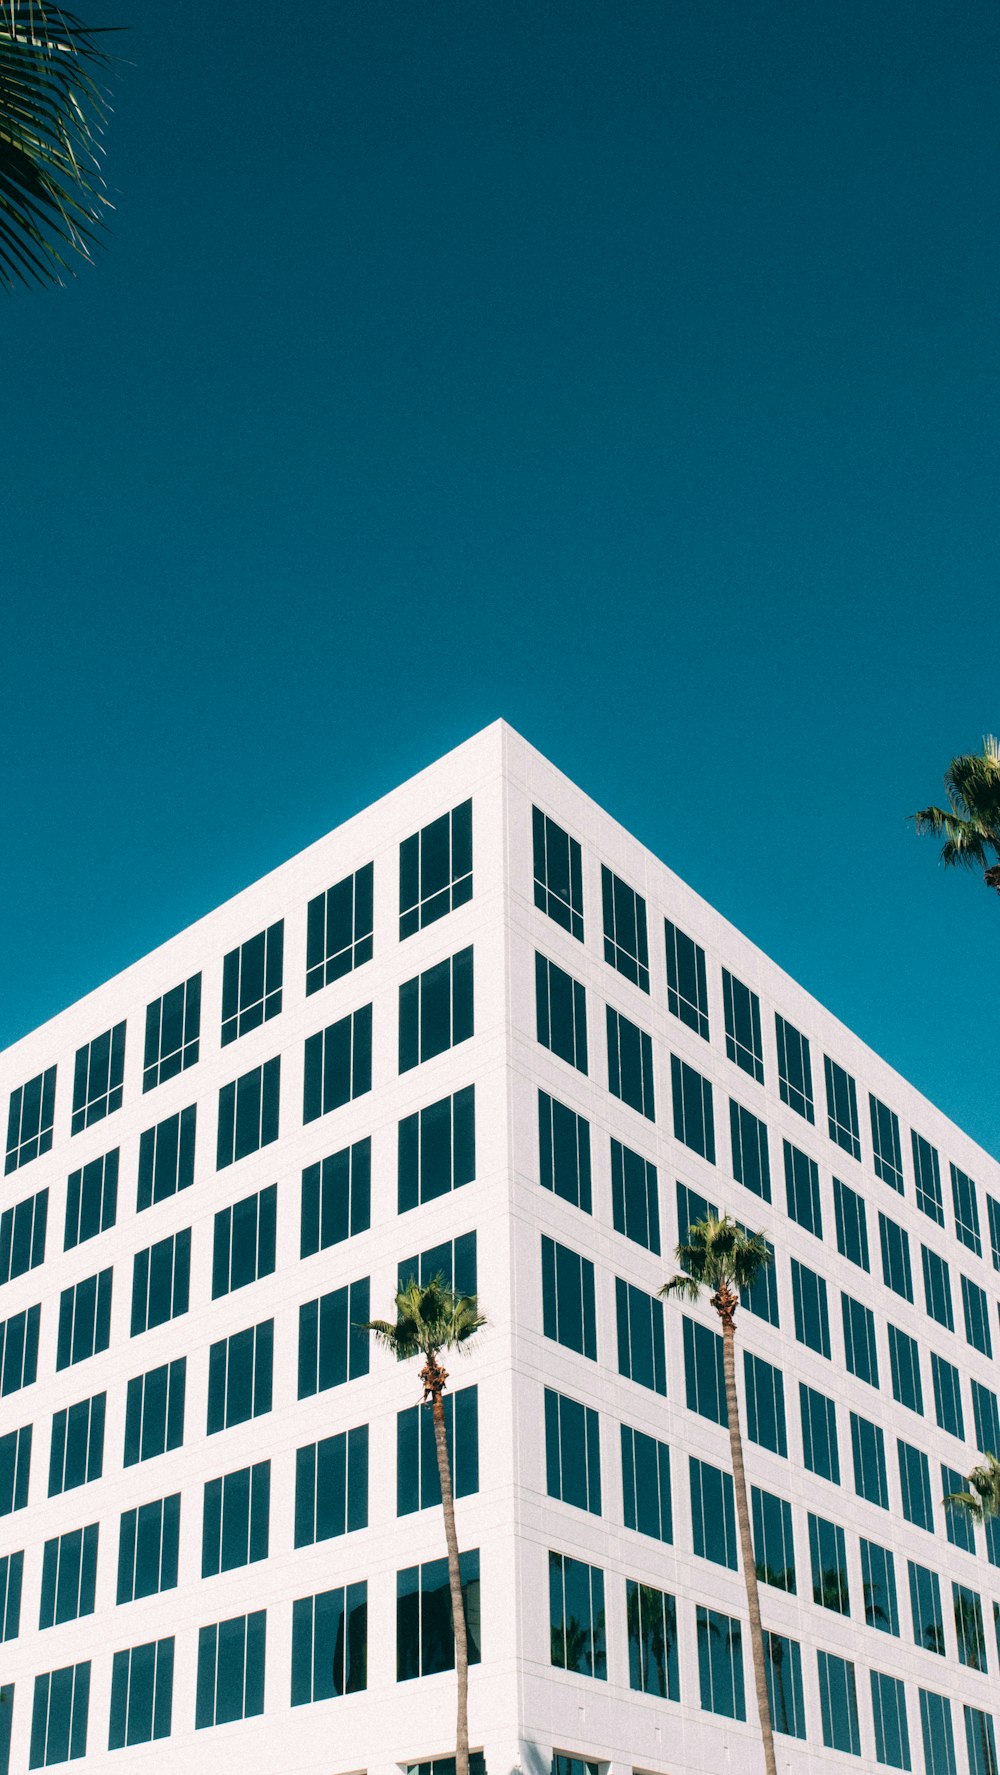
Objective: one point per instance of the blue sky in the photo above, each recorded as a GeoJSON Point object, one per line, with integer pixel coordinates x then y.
{"type": "Point", "coordinates": [628, 370]}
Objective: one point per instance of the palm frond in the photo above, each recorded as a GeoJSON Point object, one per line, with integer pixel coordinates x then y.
{"type": "Point", "coordinates": [52, 116]}
{"type": "Point", "coordinates": [430, 1317]}
{"type": "Point", "coordinates": [964, 1501]}
{"type": "Point", "coordinates": [685, 1287]}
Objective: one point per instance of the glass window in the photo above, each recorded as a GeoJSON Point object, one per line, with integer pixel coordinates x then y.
{"type": "Point", "coordinates": [558, 873]}
{"type": "Point", "coordinates": [802, 1189]}
{"type": "Point", "coordinates": [828, 1559]}
{"type": "Point", "coordinates": [572, 1452]}
{"type": "Point", "coordinates": [986, 1412]}
{"type": "Point", "coordinates": [819, 1433]}
{"type": "Point", "coordinates": [927, 1177]}
{"type": "Point", "coordinates": [235, 1519]}
{"type": "Point", "coordinates": [896, 1271]}
{"type": "Point", "coordinates": [330, 1644]}
{"type": "Point", "coordinates": [703, 1372]}
{"type": "Point", "coordinates": [425, 1640]}
{"type": "Point", "coordinates": [19, 1349]}
{"type": "Point", "coordinates": [569, 1314]}
{"type": "Point", "coordinates": [244, 1241]}
{"type": "Point", "coordinates": [993, 1215]}
{"type": "Point", "coordinates": [691, 1207]}
{"type": "Point", "coordinates": [765, 1389]}
{"type": "Point", "coordinates": [904, 1358]}
{"type": "Point", "coordinates": [720, 1664]}
{"type": "Point", "coordinates": [455, 1260]}
{"type": "Point", "coordinates": [694, 1121]}
{"type": "Point", "coordinates": [976, 1310]}
{"type": "Point", "coordinates": [794, 1068]}
{"type": "Point", "coordinates": [641, 1351]}
{"type": "Point", "coordinates": [251, 982]}
{"type": "Point", "coordinates": [248, 1113]}
{"type": "Point", "coordinates": [339, 927]}
{"type": "Point", "coordinates": [783, 1664]}
{"type": "Point", "coordinates": [868, 1449]}
{"type": "Point", "coordinates": [69, 1576]}
{"type": "Point", "coordinates": [561, 1013]}
{"type": "Point", "coordinates": [436, 1149]}
{"type": "Point", "coordinates": [625, 946]}
{"type": "Point", "coordinates": [980, 1742]}
{"type": "Point", "coordinates": [687, 988]}
{"type": "Point", "coordinates": [84, 1320]}
{"type": "Point", "coordinates": [812, 1317]}
{"type": "Point", "coordinates": [630, 1064]}
{"type": "Point", "coordinates": [743, 1038]}
{"type": "Point", "coordinates": [969, 1627]}
{"type": "Point", "coordinates": [842, 1107]}
{"type": "Point", "coordinates": [651, 1616]}
{"type": "Point", "coordinates": [173, 1027]}
{"type": "Point", "coordinates": [231, 1670]}
{"type": "Point", "coordinates": [713, 1516]}
{"type": "Point", "coordinates": [773, 1541]}
{"type": "Point", "coordinates": [59, 1716]}
{"type": "Point", "coordinates": [166, 1158]}
{"type": "Point", "coordinates": [239, 1376]}
{"type": "Point", "coordinates": [646, 1485]}
{"type": "Point", "coordinates": [564, 1152]}
{"type": "Point", "coordinates": [860, 1347]}
{"type": "Point", "coordinates": [852, 1225]}
{"type": "Point", "coordinates": [154, 1412]}
{"type": "Point", "coordinates": [958, 1524]}
{"type": "Point", "coordinates": [925, 1608]}
{"type": "Point", "coordinates": [98, 1073]}
{"type": "Point", "coordinates": [838, 1704]}
{"type": "Point", "coordinates": [332, 1346]}
{"type": "Point", "coordinates": [161, 1282]}
{"type": "Point", "coordinates": [142, 1687]}
{"type": "Point", "coordinates": [15, 1466]}
{"type": "Point", "coordinates": [915, 1482]}
{"type": "Point", "coordinates": [634, 1197]}
{"type": "Point", "coordinates": [76, 1454]}
{"type": "Point", "coordinates": [30, 1120]}
{"type": "Point", "coordinates": [91, 1200]}
{"type": "Point", "coordinates": [762, 1298]}
{"type": "Point", "coordinates": [331, 1487]}
{"type": "Point", "coordinates": [963, 1194]}
{"type": "Point", "coordinates": [937, 1288]}
{"type": "Point", "coordinates": [751, 1163]}
{"type": "Point", "coordinates": [886, 1148]}
{"type": "Point", "coordinates": [576, 1616]}
{"type": "Point", "coordinates": [936, 1730]}
{"type": "Point", "coordinates": [338, 1063]}
{"type": "Point", "coordinates": [892, 1739]}
{"type": "Point", "coordinates": [11, 1576]}
{"type": "Point", "coordinates": [878, 1583]}
{"type": "Point", "coordinates": [418, 1481]}
{"type": "Point", "coordinates": [948, 1399]}
{"type": "Point", "coordinates": [435, 870]}
{"type": "Point", "coordinates": [22, 1236]}
{"type": "Point", "coordinates": [147, 1548]}
{"type": "Point", "coordinates": [435, 1013]}
{"type": "Point", "coordinates": [336, 1197]}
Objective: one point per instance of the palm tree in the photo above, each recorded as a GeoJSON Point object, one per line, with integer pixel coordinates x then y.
{"type": "Point", "coordinates": [52, 115]}
{"type": "Point", "coordinates": [431, 1319]}
{"type": "Point", "coordinates": [719, 1255]}
{"type": "Point", "coordinates": [971, 823]}
{"type": "Point", "coordinates": [982, 1500]}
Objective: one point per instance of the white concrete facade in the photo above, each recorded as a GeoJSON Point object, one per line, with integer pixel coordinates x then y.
{"type": "Point", "coordinates": [522, 1708]}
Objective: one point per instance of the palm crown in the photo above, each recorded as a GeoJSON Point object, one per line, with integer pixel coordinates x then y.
{"type": "Point", "coordinates": [429, 1318]}
{"type": "Point", "coordinates": [52, 114]}
{"type": "Point", "coordinates": [718, 1255]}
{"type": "Point", "coordinates": [971, 822]}
{"type": "Point", "coordinates": [982, 1500]}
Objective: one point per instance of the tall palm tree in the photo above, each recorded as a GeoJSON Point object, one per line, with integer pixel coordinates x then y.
{"type": "Point", "coordinates": [52, 115]}
{"type": "Point", "coordinates": [429, 1320]}
{"type": "Point", "coordinates": [719, 1255]}
{"type": "Point", "coordinates": [982, 1500]}
{"type": "Point", "coordinates": [971, 822]}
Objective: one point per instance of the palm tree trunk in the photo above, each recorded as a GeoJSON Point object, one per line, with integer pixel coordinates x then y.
{"type": "Point", "coordinates": [455, 1582]}
{"type": "Point", "coordinates": [746, 1545]}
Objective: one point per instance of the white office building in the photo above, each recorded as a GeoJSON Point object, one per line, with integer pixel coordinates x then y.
{"type": "Point", "coordinates": [479, 1029]}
